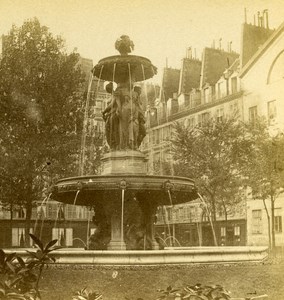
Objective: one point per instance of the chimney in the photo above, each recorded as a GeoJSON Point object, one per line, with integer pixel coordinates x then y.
{"type": "Point", "coordinates": [230, 46]}
{"type": "Point", "coordinates": [254, 20]}
{"type": "Point", "coordinates": [265, 13]}
{"type": "Point", "coordinates": [189, 53]}
{"type": "Point", "coordinates": [245, 15]}
{"type": "Point", "coordinates": [258, 18]}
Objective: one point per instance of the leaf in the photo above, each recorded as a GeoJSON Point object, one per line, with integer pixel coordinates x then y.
{"type": "Point", "coordinates": [2, 257]}
{"type": "Point", "coordinates": [11, 267]}
{"type": "Point", "coordinates": [49, 245]}
{"type": "Point", "coordinates": [37, 241]}
{"type": "Point", "coordinates": [21, 261]}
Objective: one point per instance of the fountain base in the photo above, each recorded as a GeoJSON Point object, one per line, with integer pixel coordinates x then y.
{"type": "Point", "coordinates": [196, 255]}
{"type": "Point", "coordinates": [124, 162]}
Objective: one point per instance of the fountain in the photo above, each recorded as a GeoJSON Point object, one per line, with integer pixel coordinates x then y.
{"type": "Point", "coordinates": [124, 197]}
{"type": "Point", "coordinates": [124, 182]}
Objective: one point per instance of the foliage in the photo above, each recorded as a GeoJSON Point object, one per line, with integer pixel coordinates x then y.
{"type": "Point", "coordinates": [265, 169]}
{"type": "Point", "coordinates": [41, 88]}
{"type": "Point", "coordinates": [86, 294]}
{"type": "Point", "coordinates": [266, 164]}
{"type": "Point", "coordinates": [21, 278]}
{"type": "Point", "coordinates": [196, 292]}
{"type": "Point", "coordinates": [213, 154]}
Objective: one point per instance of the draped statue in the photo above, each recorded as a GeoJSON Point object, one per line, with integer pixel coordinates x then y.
{"type": "Point", "coordinates": [125, 121]}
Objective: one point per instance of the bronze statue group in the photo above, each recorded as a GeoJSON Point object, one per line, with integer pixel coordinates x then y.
{"type": "Point", "coordinates": [124, 117]}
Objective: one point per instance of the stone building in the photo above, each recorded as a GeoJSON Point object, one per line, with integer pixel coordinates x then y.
{"type": "Point", "coordinates": [262, 80]}
{"type": "Point", "coordinates": [223, 83]}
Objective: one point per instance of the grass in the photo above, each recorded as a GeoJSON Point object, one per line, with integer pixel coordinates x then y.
{"type": "Point", "coordinates": [121, 283]}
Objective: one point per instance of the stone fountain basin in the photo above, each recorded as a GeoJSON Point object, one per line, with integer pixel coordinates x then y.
{"type": "Point", "coordinates": [116, 68]}
{"type": "Point", "coordinates": [163, 190]}
{"type": "Point", "coordinates": [179, 256]}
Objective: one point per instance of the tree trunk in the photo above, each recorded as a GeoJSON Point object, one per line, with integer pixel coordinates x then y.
{"type": "Point", "coordinates": [273, 221]}
{"type": "Point", "coordinates": [268, 223]}
{"type": "Point", "coordinates": [28, 222]}
{"type": "Point", "coordinates": [210, 219]}
{"type": "Point", "coordinates": [226, 220]}
{"type": "Point", "coordinates": [29, 206]}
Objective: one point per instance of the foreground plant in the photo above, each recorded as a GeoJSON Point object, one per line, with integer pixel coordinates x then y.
{"type": "Point", "coordinates": [196, 292]}
{"type": "Point", "coordinates": [86, 294]}
{"type": "Point", "coordinates": [21, 278]}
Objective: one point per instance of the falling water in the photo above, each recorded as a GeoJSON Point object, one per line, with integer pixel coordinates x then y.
{"type": "Point", "coordinates": [111, 119]}
{"type": "Point", "coordinates": [57, 215]}
{"type": "Point", "coordinates": [44, 201]}
{"type": "Point", "coordinates": [93, 144]}
{"type": "Point", "coordinates": [85, 125]}
{"type": "Point", "coordinates": [171, 237]}
{"type": "Point", "coordinates": [131, 106]}
{"type": "Point", "coordinates": [88, 226]}
{"type": "Point", "coordinates": [75, 199]}
{"type": "Point", "coordinates": [122, 217]}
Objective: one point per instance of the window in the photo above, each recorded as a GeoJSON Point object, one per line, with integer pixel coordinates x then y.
{"type": "Point", "coordinates": [278, 224]}
{"type": "Point", "coordinates": [21, 213]}
{"type": "Point", "coordinates": [63, 235]}
{"type": "Point", "coordinates": [253, 113]}
{"type": "Point", "coordinates": [234, 108]}
{"type": "Point", "coordinates": [203, 118]}
{"type": "Point", "coordinates": [271, 111]}
{"type": "Point", "coordinates": [220, 114]}
{"type": "Point", "coordinates": [237, 230]}
{"type": "Point", "coordinates": [219, 90]}
{"type": "Point", "coordinates": [206, 95]}
{"type": "Point", "coordinates": [277, 220]}
{"type": "Point", "coordinates": [223, 231]}
{"type": "Point", "coordinates": [234, 85]}
{"type": "Point", "coordinates": [18, 237]}
{"type": "Point", "coordinates": [257, 221]}
{"type": "Point", "coordinates": [192, 122]}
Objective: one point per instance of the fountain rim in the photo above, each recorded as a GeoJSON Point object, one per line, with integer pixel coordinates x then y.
{"type": "Point", "coordinates": [124, 58]}
{"type": "Point", "coordinates": [127, 175]}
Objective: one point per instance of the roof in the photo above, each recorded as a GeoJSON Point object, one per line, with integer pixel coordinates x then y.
{"type": "Point", "coordinates": [214, 63]}
{"type": "Point", "coordinates": [253, 37]}
{"type": "Point", "coordinates": [262, 50]}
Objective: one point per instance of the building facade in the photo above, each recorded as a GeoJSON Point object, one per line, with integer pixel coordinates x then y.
{"type": "Point", "coordinates": [246, 85]}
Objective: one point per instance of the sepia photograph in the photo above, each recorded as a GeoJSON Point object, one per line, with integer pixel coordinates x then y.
{"type": "Point", "coordinates": [141, 149]}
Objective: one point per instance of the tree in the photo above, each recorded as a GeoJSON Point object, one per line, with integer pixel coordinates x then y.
{"type": "Point", "coordinates": [41, 89]}
{"type": "Point", "coordinates": [213, 154]}
{"type": "Point", "coordinates": [264, 172]}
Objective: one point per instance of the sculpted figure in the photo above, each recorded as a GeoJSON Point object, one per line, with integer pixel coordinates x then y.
{"type": "Point", "coordinates": [110, 116]}
{"type": "Point", "coordinates": [141, 117]}
{"type": "Point", "coordinates": [125, 121]}
{"type": "Point", "coordinates": [128, 117]}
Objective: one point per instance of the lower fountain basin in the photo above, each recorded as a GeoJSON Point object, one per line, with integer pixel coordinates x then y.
{"type": "Point", "coordinates": [164, 190]}
{"type": "Point", "coordinates": [197, 255]}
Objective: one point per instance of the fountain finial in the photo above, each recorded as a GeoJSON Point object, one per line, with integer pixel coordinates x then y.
{"type": "Point", "coordinates": [124, 45]}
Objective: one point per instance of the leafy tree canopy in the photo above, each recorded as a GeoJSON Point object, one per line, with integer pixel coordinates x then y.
{"type": "Point", "coordinates": [214, 155]}
{"type": "Point", "coordinates": [41, 89]}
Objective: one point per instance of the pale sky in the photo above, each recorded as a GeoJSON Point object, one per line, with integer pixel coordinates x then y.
{"type": "Point", "coordinates": [160, 29]}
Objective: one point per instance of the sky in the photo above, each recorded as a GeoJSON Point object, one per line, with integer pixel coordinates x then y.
{"type": "Point", "coordinates": [161, 30]}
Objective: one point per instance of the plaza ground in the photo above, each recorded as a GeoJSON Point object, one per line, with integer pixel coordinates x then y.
{"type": "Point", "coordinates": [121, 283]}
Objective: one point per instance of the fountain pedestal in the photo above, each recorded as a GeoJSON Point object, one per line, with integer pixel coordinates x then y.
{"type": "Point", "coordinates": [117, 241]}
{"type": "Point", "coordinates": [124, 162]}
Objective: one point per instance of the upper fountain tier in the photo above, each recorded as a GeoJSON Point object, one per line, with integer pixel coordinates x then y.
{"type": "Point", "coordinates": [124, 67]}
